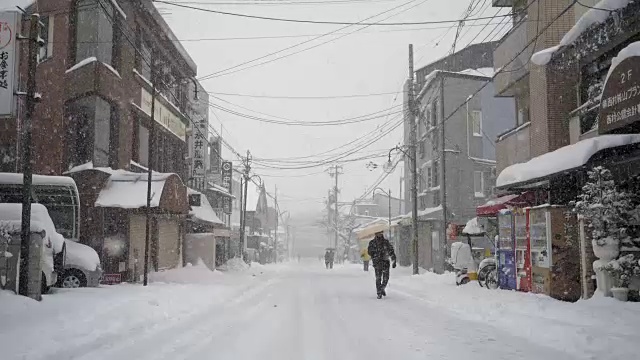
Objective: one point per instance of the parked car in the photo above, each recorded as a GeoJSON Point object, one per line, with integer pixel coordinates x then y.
{"type": "Point", "coordinates": [81, 267]}
{"type": "Point", "coordinates": [53, 249]}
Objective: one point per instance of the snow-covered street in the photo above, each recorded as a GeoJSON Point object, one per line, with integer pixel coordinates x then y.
{"type": "Point", "coordinates": [302, 311]}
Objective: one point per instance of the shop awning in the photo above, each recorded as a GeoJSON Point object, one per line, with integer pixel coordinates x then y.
{"type": "Point", "coordinates": [203, 213]}
{"type": "Point", "coordinates": [562, 160]}
{"type": "Point", "coordinates": [492, 207]}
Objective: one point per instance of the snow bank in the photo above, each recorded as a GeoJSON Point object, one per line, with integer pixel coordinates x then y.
{"type": "Point", "coordinates": [565, 158]}
{"type": "Point", "coordinates": [599, 328]}
{"type": "Point", "coordinates": [234, 265]}
{"type": "Point", "coordinates": [190, 274]}
{"type": "Point", "coordinates": [596, 15]}
{"type": "Point", "coordinates": [81, 256]}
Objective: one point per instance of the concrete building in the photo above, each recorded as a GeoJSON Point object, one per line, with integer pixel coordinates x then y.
{"type": "Point", "coordinates": [466, 145]}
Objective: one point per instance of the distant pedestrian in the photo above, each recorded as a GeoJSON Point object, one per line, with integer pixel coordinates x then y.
{"type": "Point", "coordinates": [328, 259]}
{"type": "Point", "coordinates": [299, 258]}
{"type": "Point", "coordinates": [381, 250]}
{"type": "Point", "coordinates": [364, 255]}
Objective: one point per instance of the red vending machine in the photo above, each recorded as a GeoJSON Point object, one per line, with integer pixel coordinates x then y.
{"type": "Point", "coordinates": [523, 248]}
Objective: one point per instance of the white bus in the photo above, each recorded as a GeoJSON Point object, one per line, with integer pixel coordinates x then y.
{"type": "Point", "coordinates": [59, 194]}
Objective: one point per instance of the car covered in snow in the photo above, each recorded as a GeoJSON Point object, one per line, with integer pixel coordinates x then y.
{"type": "Point", "coordinates": [81, 267]}
{"type": "Point", "coordinates": [53, 250]}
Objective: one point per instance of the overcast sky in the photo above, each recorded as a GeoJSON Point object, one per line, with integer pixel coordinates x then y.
{"type": "Point", "coordinates": [372, 60]}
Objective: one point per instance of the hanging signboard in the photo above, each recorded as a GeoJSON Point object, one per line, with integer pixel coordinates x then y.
{"type": "Point", "coordinates": [620, 103]}
{"type": "Point", "coordinates": [227, 173]}
{"type": "Point", "coordinates": [8, 62]}
{"type": "Point", "coordinates": [163, 115]}
{"type": "Point", "coordinates": [214, 158]}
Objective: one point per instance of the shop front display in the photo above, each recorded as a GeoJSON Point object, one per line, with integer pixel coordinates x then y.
{"type": "Point", "coordinates": [555, 253]}
{"type": "Point", "coordinates": [506, 255]}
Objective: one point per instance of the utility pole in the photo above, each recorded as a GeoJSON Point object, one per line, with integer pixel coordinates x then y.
{"type": "Point", "coordinates": [443, 184]}
{"type": "Point", "coordinates": [243, 217]}
{"type": "Point", "coordinates": [414, 164]}
{"type": "Point", "coordinates": [275, 239]}
{"type": "Point", "coordinates": [329, 220]}
{"type": "Point", "coordinates": [25, 228]}
{"type": "Point", "coordinates": [335, 172]}
{"type": "Point", "coordinates": [152, 142]}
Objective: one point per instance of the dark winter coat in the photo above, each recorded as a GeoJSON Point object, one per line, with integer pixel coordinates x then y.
{"type": "Point", "coordinates": [328, 256]}
{"type": "Point", "coordinates": [380, 249]}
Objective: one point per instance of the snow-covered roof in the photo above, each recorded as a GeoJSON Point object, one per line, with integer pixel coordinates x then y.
{"type": "Point", "coordinates": [82, 63]}
{"type": "Point", "coordinates": [473, 228]}
{"type": "Point", "coordinates": [595, 15]}
{"type": "Point", "coordinates": [563, 159]}
{"type": "Point", "coordinates": [17, 179]}
{"type": "Point", "coordinates": [486, 72]}
{"type": "Point", "coordinates": [219, 189]}
{"type": "Point", "coordinates": [204, 212]}
{"type": "Point", "coordinates": [128, 194]}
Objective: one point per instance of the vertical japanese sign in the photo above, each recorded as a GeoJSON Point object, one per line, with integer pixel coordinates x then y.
{"type": "Point", "coordinates": [227, 173]}
{"type": "Point", "coordinates": [8, 55]}
{"type": "Point", "coordinates": [214, 159]}
{"type": "Point", "coordinates": [199, 145]}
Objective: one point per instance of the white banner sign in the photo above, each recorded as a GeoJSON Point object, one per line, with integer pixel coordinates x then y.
{"type": "Point", "coordinates": [163, 115]}
{"type": "Point", "coordinates": [8, 63]}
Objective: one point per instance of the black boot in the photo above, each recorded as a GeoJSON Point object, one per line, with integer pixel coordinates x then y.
{"type": "Point", "coordinates": [379, 296]}
{"type": "Point", "coordinates": [384, 293]}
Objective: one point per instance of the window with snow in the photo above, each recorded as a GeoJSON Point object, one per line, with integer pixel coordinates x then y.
{"type": "Point", "coordinates": [143, 145]}
{"type": "Point", "coordinates": [478, 183]}
{"type": "Point", "coordinates": [90, 122]}
{"type": "Point", "coordinates": [46, 34]}
{"type": "Point", "coordinates": [95, 21]}
{"type": "Point", "coordinates": [476, 122]}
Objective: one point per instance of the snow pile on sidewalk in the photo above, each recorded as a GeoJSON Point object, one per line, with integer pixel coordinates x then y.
{"type": "Point", "coordinates": [575, 327]}
{"type": "Point", "coordinates": [234, 265]}
{"type": "Point", "coordinates": [190, 274]}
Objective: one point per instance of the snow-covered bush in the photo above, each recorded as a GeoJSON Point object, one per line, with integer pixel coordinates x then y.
{"type": "Point", "coordinates": [623, 269]}
{"type": "Point", "coordinates": [606, 209]}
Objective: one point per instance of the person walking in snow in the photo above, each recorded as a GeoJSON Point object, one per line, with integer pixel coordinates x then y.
{"type": "Point", "coordinates": [364, 255]}
{"type": "Point", "coordinates": [328, 259]}
{"type": "Point", "coordinates": [381, 250]}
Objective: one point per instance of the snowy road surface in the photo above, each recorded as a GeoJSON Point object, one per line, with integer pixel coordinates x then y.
{"type": "Point", "coordinates": [305, 312]}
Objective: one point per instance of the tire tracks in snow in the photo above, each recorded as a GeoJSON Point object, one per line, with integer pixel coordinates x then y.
{"type": "Point", "coordinates": [148, 334]}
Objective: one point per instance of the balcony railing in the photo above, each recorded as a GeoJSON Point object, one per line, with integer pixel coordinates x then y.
{"type": "Point", "coordinates": [508, 71]}
{"type": "Point", "coordinates": [513, 147]}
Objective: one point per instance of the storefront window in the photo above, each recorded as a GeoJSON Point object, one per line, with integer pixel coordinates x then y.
{"type": "Point", "coordinates": [90, 122]}
{"type": "Point", "coordinates": [94, 30]}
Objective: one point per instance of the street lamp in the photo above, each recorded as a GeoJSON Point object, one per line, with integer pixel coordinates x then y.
{"type": "Point", "coordinates": [388, 194]}
{"type": "Point", "coordinates": [414, 200]}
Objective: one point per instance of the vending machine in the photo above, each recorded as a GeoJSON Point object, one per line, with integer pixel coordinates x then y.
{"type": "Point", "coordinates": [505, 252]}
{"type": "Point", "coordinates": [554, 247]}
{"type": "Point", "coordinates": [523, 259]}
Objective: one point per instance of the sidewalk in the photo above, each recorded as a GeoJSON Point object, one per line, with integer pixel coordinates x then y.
{"type": "Point", "coordinates": [601, 327]}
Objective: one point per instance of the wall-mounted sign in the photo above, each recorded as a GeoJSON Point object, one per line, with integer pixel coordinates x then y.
{"type": "Point", "coordinates": [214, 157]}
{"type": "Point", "coordinates": [227, 173]}
{"type": "Point", "coordinates": [8, 62]}
{"type": "Point", "coordinates": [163, 115]}
{"type": "Point", "coordinates": [620, 103]}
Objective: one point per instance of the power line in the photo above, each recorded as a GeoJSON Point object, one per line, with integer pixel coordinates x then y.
{"type": "Point", "coordinates": [315, 21]}
{"type": "Point", "coordinates": [271, 3]}
{"type": "Point", "coordinates": [304, 97]}
{"type": "Point", "coordinates": [215, 74]}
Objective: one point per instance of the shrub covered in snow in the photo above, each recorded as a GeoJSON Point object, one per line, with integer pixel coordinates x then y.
{"type": "Point", "coordinates": [623, 269]}
{"type": "Point", "coordinates": [607, 209]}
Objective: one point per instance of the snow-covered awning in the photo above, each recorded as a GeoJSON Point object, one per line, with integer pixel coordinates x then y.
{"type": "Point", "coordinates": [492, 207]}
{"type": "Point", "coordinates": [220, 190]}
{"type": "Point", "coordinates": [203, 213]}
{"type": "Point", "coordinates": [128, 190]}
{"type": "Point", "coordinates": [564, 159]}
